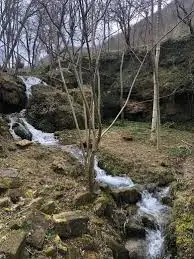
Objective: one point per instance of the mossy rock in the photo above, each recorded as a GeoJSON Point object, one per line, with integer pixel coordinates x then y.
{"type": "Point", "coordinates": [49, 110]}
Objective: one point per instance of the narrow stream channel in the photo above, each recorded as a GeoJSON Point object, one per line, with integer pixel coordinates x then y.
{"type": "Point", "coordinates": [150, 203]}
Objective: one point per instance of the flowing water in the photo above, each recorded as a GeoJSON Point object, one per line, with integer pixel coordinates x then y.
{"type": "Point", "coordinates": [150, 203]}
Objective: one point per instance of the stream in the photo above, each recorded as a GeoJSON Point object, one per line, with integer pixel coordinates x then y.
{"type": "Point", "coordinates": [150, 203]}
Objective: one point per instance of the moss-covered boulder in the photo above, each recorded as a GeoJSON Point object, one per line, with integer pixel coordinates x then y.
{"type": "Point", "coordinates": [12, 93]}
{"type": "Point", "coordinates": [49, 110]}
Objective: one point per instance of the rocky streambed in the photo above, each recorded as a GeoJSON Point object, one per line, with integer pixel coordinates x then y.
{"type": "Point", "coordinates": [136, 212]}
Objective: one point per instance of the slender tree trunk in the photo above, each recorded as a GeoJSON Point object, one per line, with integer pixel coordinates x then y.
{"type": "Point", "coordinates": [121, 85]}
{"type": "Point", "coordinates": [156, 100]}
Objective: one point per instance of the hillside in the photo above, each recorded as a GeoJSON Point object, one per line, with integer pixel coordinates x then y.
{"type": "Point", "coordinates": [139, 34]}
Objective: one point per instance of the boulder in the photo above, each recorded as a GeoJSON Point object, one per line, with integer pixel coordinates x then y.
{"type": "Point", "coordinates": [36, 237]}
{"type": "Point", "coordinates": [50, 207]}
{"type": "Point", "coordinates": [104, 206]}
{"type": "Point", "coordinates": [136, 248]}
{"type": "Point", "coordinates": [9, 179]}
{"type": "Point", "coordinates": [71, 223]}
{"type": "Point", "coordinates": [134, 230]}
{"type": "Point", "coordinates": [126, 195]}
{"type": "Point", "coordinates": [49, 110]}
{"type": "Point", "coordinates": [13, 246]}
{"type": "Point", "coordinates": [84, 198]}
{"type": "Point", "coordinates": [22, 131]}
{"type": "Point", "coordinates": [12, 93]}
{"type": "Point", "coordinates": [149, 221]}
{"type": "Point", "coordinates": [24, 143]}
{"type": "Point", "coordinates": [119, 251]}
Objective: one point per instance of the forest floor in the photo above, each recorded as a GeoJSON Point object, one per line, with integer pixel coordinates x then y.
{"type": "Point", "coordinates": [51, 180]}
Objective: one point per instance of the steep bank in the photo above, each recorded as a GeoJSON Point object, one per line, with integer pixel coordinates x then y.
{"type": "Point", "coordinates": [176, 73]}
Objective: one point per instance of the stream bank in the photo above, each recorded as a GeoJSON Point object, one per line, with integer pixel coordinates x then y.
{"type": "Point", "coordinates": [69, 178]}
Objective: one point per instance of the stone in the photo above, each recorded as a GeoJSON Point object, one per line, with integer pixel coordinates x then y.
{"type": "Point", "coordinates": [48, 110]}
{"type": "Point", "coordinates": [83, 198]}
{"type": "Point", "coordinates": [36, 238]}
{"type": "Point", "coordinates": [167, 201]}
{"type": "Point", "coordinates": [9, 179]}
{"type": "Point", "coordinates": [15, 195]}
{"type": "Point", "coordinates": [119, 251]}
{"type": "Point", "coordinates": [51, 251]}
{"type": "Point", "coordinates": [14, 244]}
{"type": "Point", "coordinates": [134, 230]}
{"type": "Point", "coordinates": [24, 143]}
{"type": "Point", "coordinates": [104, 206]}
{"type": "Point", "coordinates": [136, 248]}
{"type": "Point", "coordinates": [90, 255]}
{"type": "Point", "coordinates": [126, 195]}
{"type": "Point", "coordinates": [149, 221]}
{"type": "Point", "coordinates": [59, 167]}
{"type": "Point", "coordinates": [71, 223]}
{"type": "Point", "coordinates": [49, 207]}
{"type": "Point", "coordinates": [12, 93]}
{"type": "Point", "coordinates": [22, 131]}
{"type": "Point", "coordinates": [5, 202]}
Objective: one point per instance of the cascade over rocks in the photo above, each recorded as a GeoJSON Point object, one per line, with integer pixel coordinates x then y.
{"type": "Point", "coordinates": [49, 110]}
{"type": "Point", "coordinates": [12, 93]}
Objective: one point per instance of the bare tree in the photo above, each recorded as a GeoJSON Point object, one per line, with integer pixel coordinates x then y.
{"type": "Point", "coordinates": [185, 10]}
{"type": "Point", "coordinates": [156, 56]}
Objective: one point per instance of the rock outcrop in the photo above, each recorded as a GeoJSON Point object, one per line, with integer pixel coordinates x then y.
{"type": "Point", "coordinates": [12, 93]}
{"type": "Point", "coordinates": [49, 110]}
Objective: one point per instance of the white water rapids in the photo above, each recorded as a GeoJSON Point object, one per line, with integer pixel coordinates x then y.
{"type": "Point", "coordinates": [149, 205]}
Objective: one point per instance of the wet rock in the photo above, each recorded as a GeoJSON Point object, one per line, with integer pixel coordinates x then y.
{"type": "Point", "coordinates": [136, 248]}
{"type": "Point", "coordinates": [83, 198]}
{"type": "Point", "coordinates": [24, 143]}
{"type": "Point", "coordinates": [167, 201]}
{"type": "Point", "coordinates": [49, 207]}
{"type": "Point", "coordinates": [5, 202]}
{"type": "Point", "coordinates": [104, 206]}
{"type": "Point", "coordinates": [9, 179]}
{"type": "Point", "coordinates": [13, 246]}
{"type": "Point", "coordinates": [119, 251]}
{"type": "Point", "coordinates": [22, 131]}
{"type": "Point", "coordinates": [134, 230]}
{"type": "Point", "coordinates": [126, 195]}
{"type": "Point", "coordinates": [149, 221]}
{"type": "Point", "coordinates": [71, 223]}
{"type": "Point", "coordinates": [36, 238]}
{"type": "Point", "coordinates": [151, 187]}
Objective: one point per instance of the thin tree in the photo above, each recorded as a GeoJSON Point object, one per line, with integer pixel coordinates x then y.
{"type": "Point", "coordinates": [184, 10]}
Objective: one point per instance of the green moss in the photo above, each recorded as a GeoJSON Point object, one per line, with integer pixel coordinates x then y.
{"type": "Point", "coordinates": [184, 224]}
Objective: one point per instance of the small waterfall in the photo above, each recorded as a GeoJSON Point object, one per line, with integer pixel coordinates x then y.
{"type": "Point", "coordinates": [149, 205]}
{"type": "Point", "coordinates": [152, 206]}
